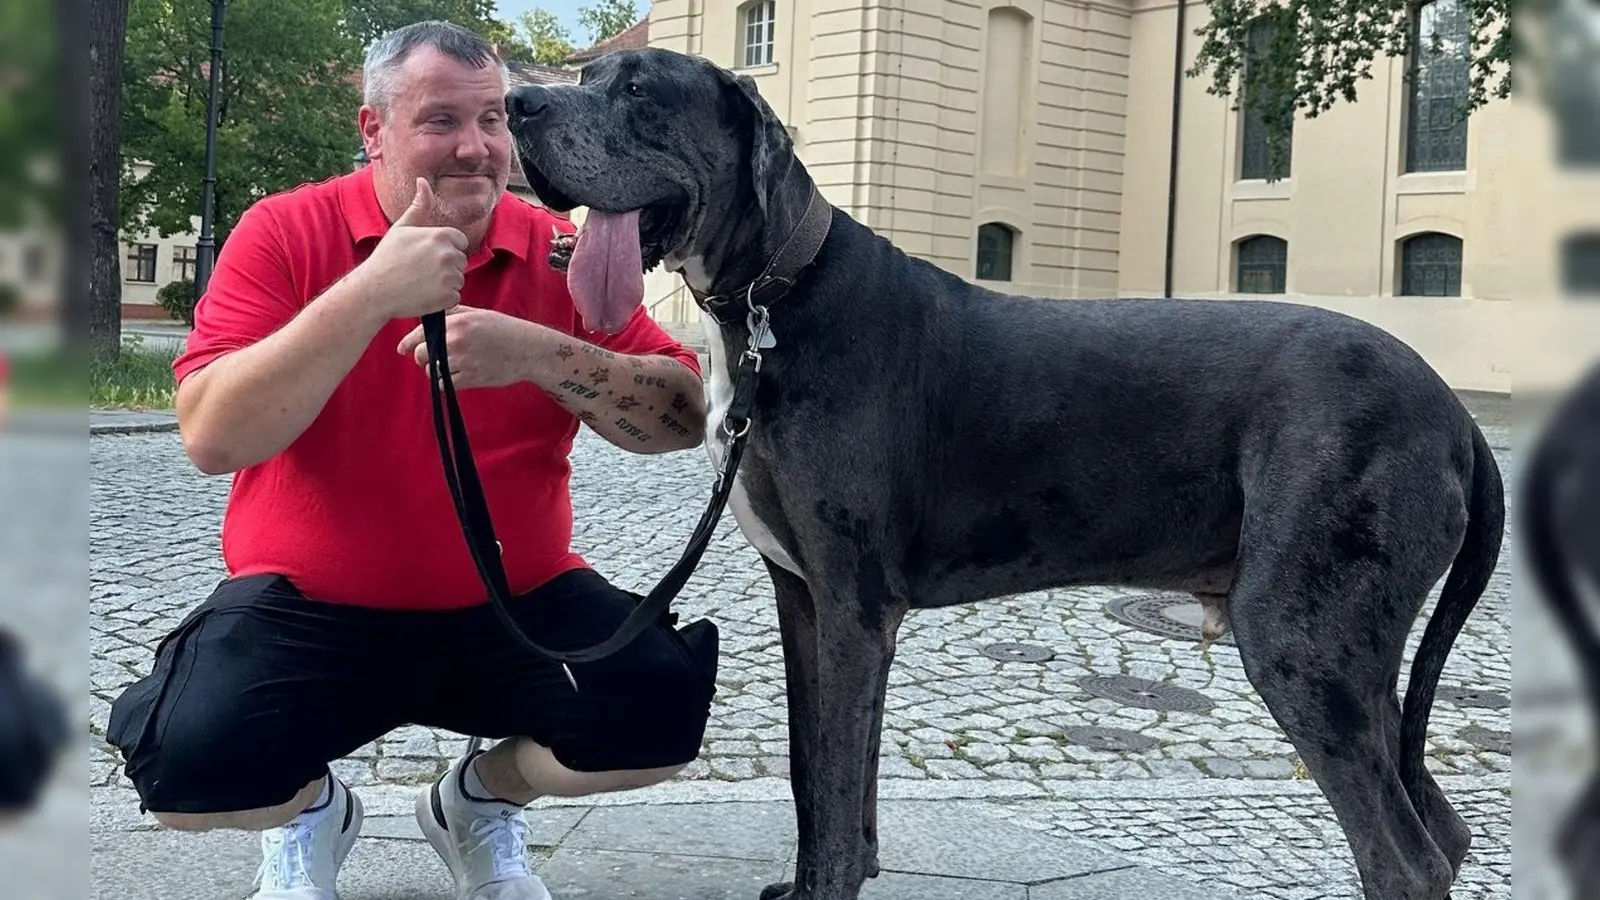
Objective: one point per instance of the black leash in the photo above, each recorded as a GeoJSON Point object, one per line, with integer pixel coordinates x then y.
{"type": "Point", "coordinates": [462, 476]}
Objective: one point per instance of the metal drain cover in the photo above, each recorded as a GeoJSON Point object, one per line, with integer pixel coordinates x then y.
{"type": "Point", "coordinates": [1158, 695]}
{"type": "Point", "coordinates": [1018, 653]}
{"type": "Point", "coordinates": [1113, 740]}
{"type": "Point", "coordinates": [1473, 697]}
{"type": "Point", "coordinates": [1167, 614]}
{"type": "Point", "coordinates": [1485, 739]}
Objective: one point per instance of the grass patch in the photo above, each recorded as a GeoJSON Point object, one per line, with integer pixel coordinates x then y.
{"type": "Point", "coordinates": [52, 377]}
{"type": "Point", "coordinates": [47, 378]}
{"type": "Point", "coordinates": [139, 378]}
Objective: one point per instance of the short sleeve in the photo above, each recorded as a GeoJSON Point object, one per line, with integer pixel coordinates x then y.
{"type": "Point", "coordinates": [250, 295]}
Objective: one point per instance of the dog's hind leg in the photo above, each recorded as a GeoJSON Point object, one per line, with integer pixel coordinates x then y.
{"type": "Point", "coordinates": [1332, 573]}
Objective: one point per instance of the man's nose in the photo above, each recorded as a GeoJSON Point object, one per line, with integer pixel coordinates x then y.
{"type": "Point", "coordinates": [528, 102]}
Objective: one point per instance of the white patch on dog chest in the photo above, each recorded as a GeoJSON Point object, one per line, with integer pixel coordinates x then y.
{"type": "Point", "coordinates": [719, 398]}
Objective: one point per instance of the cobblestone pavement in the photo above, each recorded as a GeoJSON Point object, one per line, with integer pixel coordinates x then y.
{"type": "Point", "coordinates": [1215, 792]}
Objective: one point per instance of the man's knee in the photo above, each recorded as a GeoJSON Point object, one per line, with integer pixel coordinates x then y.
{"type": "Point", "coordinates": [653, 724]}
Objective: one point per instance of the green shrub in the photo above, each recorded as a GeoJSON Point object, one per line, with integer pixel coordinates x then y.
{"type": "Point", "coordinates": [178, 299]}
{"type": "Point", "coordinates": [10, 299]}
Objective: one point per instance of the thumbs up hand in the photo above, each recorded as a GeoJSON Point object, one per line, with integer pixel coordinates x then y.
{"type": "Point", "coordinates": [418, 268]}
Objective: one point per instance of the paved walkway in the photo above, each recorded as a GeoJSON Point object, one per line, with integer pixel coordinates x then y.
{"type": "Point", "coordinates": [1020, 733]}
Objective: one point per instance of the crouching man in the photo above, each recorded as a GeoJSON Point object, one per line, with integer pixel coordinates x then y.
{"type": "Point", "coordinates": [352, 605]}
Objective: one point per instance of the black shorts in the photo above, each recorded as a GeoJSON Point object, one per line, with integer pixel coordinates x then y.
{"type": "Point", "coordinates": [260, 688]}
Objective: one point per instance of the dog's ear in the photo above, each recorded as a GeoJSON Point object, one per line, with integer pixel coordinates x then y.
{"type": "Point", "coordinates": [771, 150]}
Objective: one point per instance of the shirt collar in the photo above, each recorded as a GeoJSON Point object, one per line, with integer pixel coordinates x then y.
{"type": "Point", "coordinates": [510, 225]}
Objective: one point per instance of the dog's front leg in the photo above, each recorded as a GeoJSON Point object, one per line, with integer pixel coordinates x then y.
{"type": "Point", "coordinates": [855, 631]}
{"type": "Point", "coordinates": [797, 623]}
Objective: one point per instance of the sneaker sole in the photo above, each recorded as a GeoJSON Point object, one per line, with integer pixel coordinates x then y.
{"type": "Point", "coordinates": [438, 836]}
{"type": "Point", "coordinates": [355, 815]}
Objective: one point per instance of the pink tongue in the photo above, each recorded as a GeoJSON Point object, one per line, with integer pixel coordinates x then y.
{"type": "Point", "coordinates": [606, 275]}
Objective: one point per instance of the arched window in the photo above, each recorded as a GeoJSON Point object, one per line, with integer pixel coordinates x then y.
{"type": "Point", "coordinates": [1256, 145]}
{"type": "Point", "coordinates": [1430, 265]}
{"type": "Point", "coordinates": [757, 22]}
{"type": "Point", "coordinates": [1261, 265]}
{"type": "Point", "coordinates": [995, 243]}
{"type": "Point", "coordinates": [1580, 265]}
{"type": "Point", "coordinates": [1439, 75]}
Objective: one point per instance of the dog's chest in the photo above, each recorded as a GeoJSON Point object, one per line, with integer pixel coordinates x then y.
{"type": "Point", "coordinates": [719, 398]}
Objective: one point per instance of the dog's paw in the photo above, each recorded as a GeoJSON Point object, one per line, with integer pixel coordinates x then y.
{"type": "Point", "coordinates": [783, 890]}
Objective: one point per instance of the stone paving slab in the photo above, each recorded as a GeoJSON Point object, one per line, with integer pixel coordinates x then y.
{"type": "Point", "coordinates": [125, 421]}
{"type": "Point", "coordinates": [704, 852]}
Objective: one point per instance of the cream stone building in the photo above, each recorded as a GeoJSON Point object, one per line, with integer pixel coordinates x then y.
{"type": "Point", "coordinates": [1033, 147]}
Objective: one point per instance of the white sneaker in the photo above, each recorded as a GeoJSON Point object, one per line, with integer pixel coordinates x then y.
{"type": "Point", "coordinates": [483, 842]}
{"type": "Point", "coordinates": [301, 860]}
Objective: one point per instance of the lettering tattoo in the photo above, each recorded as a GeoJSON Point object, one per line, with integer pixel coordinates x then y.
{"type": "Point", "coordinates": [581, 390]}
{"type": "Point", "coordinates": [650, 380]}
{"type": "Point", "coordinates": [632, 430]}
{"type": "Point", "coordinates": [674, 425]}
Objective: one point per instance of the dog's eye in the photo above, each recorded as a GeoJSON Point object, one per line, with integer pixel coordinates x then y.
{"type": "Point", "coordinates": [633, 89]}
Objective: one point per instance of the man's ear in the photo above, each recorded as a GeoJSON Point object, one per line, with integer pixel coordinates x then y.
{"type": "Point", "coordinates": [771, 150]}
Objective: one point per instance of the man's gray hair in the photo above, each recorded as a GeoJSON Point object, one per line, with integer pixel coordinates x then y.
{"type": "Point", "coordinates": [381, 74]}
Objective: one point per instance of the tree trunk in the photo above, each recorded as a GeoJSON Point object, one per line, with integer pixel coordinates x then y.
{"type": "Point", "coordinates": [108, 26]}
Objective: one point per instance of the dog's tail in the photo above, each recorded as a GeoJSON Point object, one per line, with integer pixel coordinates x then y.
{"type": "Point", "coordinates": [1469, 576]}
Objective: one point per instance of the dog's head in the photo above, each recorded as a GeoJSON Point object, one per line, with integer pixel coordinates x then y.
{"type": "Point", "coordinates": [668, 152]}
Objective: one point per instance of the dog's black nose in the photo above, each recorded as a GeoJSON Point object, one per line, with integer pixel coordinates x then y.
{"type": "Point", "coordinates": [527, 102]}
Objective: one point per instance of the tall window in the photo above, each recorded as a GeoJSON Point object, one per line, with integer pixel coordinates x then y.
{"type": "Point", "coordinates": [1430, 265]}
{"type": "Point", "coordinates": [1580, 265]}
{"type": "Point", "coordinates": [185, 263]}
{"type": "Point", "coordinates": [1439, 70]}
{"type": "Point", "coordinates": [760, 19]}
{"type": "Point", "coordinates": [140, 264]}
{"type": "Point", "coordinates": [995, 243]}
{"type": "Point", "coordinates": [1261, 265]}
{"type": "Point", "coordinates": [1256, 147]}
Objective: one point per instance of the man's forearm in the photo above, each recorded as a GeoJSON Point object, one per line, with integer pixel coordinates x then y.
{"type": "Point", "coordinates": [646, 404]}
{"type": "Point", "coordinates": [249, 405]}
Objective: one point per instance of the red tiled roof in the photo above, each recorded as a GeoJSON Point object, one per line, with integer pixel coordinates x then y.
{"type": "Point", "coordinates": [635, 37]}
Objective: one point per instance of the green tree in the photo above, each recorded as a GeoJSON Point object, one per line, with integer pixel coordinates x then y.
{"type": "Point", "coordinates": [1322, 50]}
{"type": "Point", "coordinates": [368, 20]}
{"type": "Point", "coordinates": [30, 115]}
{"type": "Point", "coordinates": [547, 38]}
{"type": "Point", "coordinates": [608, 18]}
{"type": "Point", "coordinates": [286, 109]}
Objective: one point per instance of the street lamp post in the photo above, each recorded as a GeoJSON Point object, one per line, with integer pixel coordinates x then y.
{"type": "Point", "coordinates": [205, 249]}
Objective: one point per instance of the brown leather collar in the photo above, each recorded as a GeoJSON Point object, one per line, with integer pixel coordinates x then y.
{"type": "Point", "coordinates": [797, 253]}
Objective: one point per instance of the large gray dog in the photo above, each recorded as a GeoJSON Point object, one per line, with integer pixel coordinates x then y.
{"type": "Point", "coordinates": [917, 441]}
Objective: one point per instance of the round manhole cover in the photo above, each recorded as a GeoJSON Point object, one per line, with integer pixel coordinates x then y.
{"type": "Point", "coordinates": [1471, 697]}
{"type": "Point", "coordinates": [1158, 695]}
{"type": "Point", "coordinates": [1167, 614]}
{"type": "Point", "coordinates": [1485, 739]}
{"type": "Point", "coordinates": [1113, 740]}
{"type": "Point", "coordinates": [1018, 653]}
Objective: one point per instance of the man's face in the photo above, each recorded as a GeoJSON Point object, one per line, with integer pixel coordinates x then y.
{"type": "Point", "coordinates": [446, 122]}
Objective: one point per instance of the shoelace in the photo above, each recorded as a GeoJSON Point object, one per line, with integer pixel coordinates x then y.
{"type": "Point", "coordinates": [507, 840]}
{"type": "Point", "coordinates": [286, 857]}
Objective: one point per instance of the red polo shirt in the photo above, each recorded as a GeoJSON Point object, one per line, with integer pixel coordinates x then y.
{"type": "Point", "coordinates": [356, 510]}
